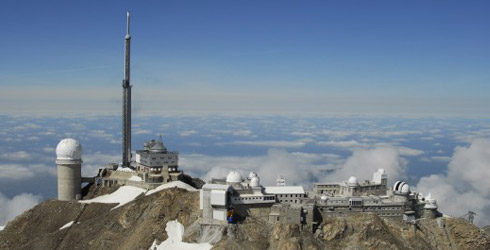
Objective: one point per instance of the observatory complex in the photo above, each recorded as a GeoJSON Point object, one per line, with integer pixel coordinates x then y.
{"type": "Point", "coordinates": [234, 198]}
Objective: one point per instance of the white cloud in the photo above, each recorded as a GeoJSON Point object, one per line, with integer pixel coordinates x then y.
{"type": "Point", "coordinates": [354, 145]}
{"type": "Point", "coordinates": [272, 144]}
{"type": "Point", "coordinates": [405, 151]}
{"type": "Point", "coordinates": [297, 167]}
{"type": "Point", "coordinates": [24, 172]}
{"type": "Point", "coordinates": [441, 158]}
{"type": "Point", "coordinates": [302, 134]}
{"type": "Point", "coordinates": [92, 162]}
{"type": "Point", "coordinates": [364, 162]}
{"type": "Point", "coordinates": [27, 126]}
{"type": "Point", "coordinates": [142, 131]}
{"type": "Point", "coordinates": [16, 156]}
{"type": "Point", "coordinates": [10, 208]}
{"type": "Point", "coordinates": [239, 132]}
{"type": "Point", "coordinates": [48, 150]}
{"type": "Point", "coordinates": [335, 133]}
{"type": "Point", "coordinates": [188, 133]}
{"type": "Point", "coordinates": [465, 186]}
{"type": "Point", "coordinates": [341, 144]}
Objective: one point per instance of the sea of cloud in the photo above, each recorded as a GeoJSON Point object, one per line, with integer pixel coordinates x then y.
{"type": "Point", "coordinates": [11, 207]}
{"type": "Point", "coordinates": [447, 157]}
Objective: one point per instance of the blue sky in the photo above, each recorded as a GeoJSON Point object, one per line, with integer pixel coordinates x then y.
{"type": "Point", "coordinates": [378, 57]}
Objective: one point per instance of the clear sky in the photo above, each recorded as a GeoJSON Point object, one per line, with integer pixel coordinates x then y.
{"type": "Point", "coordinates": [401, 57]}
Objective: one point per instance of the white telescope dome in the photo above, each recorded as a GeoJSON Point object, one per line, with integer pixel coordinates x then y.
{"type": "Point", "coordinates": [255, 181]}
{"type": "Point", "coordinates": [405, 189]}
{"type": "Point", "coordinates": [69, 149]}
{"type": "Point", "coordinates": [252, 175]}
{"type": "Point", "coordinates": [324, 198]}
{"type": "Point", "coordinates": [430, 203]}
{"type": "Point", "coordinates": [234, 177]}
{"type": "Point", "coordinates": [352, 181]}
{"type": "Point", "coordinates": [401, 187]}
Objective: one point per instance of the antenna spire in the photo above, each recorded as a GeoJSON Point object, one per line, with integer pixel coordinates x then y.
{"type": "Point", "coordinates": [126, 109]}
{"type": "Point", "coordinates": [127, 31]}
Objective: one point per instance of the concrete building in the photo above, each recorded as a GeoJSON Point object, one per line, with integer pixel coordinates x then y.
{"type": "Point", "coordinates": [156, 164]}
{"type": "Point", "coordinates": [153, 166]}
{"type": "Point", "coordinates": [69, 161]}
{"type": "Point", "coordinates": [352, 187]}
{"type": "Point", "coordinates": [430, 208]}
{"type": "Point", "coordinates": [291, 204]}
{"type": "Point", "coordinates": [287, 194]}
{"type": "Point", "coordinates": [214, 201]}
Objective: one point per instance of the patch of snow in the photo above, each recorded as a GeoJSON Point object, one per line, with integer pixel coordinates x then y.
{"type": "Point", "coordinates": [175, 231]}
{"type": "Point", "coordinates": [135, 178]}
{"type": "Point", "coordinates": [2, 227]}
{"type": "Point", "coordinates": [123, 195]}
{"type": "Point", "coordinates": [177, 184]}
{"type": "Point", "coordinates": [66, 225]}
{"type": "Point", "coordinates": [121, 169]}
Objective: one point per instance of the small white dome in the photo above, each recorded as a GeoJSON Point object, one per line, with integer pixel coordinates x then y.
{"type": "Point", "coordinates": [255, 181]}
{"type": "Point", "coordinates": [430, 203]}
{"type": "Point", "coordinates": [252, 175]}
{"type": "Point", "coordinates": [234, 177]}
{"type": "Point", "coordinates": [69, 149]}
{"type": "Point", "coordinates": [401, 187]}
{"type": "Point", "coordinates": [353, 181]}
{"type": "Point", "coordinates": [405, 189]}
{"type": "Point", "coordinates": [324, 198]}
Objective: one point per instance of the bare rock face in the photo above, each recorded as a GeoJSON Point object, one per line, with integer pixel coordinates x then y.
{"type": "Point", "coordinates": [486, 229]}
{"type": "Point", "coordinates": [137, 224]}
{"type": "Point", "coordinates": [133, 226]}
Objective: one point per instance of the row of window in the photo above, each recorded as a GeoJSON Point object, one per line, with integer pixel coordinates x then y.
{"type": "Point", "coordinates": [267, 198]}
{"type": "Point", "coordinates": [290, 201]}
{"type": "Point", "coordinates": [161, 158]}
{"type": "Point", "coordinates": [290, 195]}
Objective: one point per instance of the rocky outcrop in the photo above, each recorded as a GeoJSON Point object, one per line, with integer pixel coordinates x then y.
{"type": "Point", "coordinates": [137, 224]}
{"type": "Point", "coordinates": [133, 226]}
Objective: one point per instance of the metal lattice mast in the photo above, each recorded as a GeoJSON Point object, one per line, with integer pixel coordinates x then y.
{"type": "Point", "coordinates": [126, 112]}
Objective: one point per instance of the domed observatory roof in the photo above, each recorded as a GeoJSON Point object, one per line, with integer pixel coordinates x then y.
{"type": "Point", "coordinates": [430, 203]}
{"type": "Point", "coordinates": [252, 175]}
{"type": "Point", "coordinates": [255, 181]}
{"type": "Point", "coordinates": [69, 150]}
{"type": "Point", "coordinates": [401, 187]}
{"type": "Point", "coordinates": [158, 147]}
{"type": "Point", "coordinates": [234, 177]}
{"type": "Point", "coordinates": [352, 181]}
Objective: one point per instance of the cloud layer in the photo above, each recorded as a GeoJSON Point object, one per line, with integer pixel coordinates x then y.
{"type": "Point", "coordinates": [466, 185]}
{"type": "Point", "coordinates": [10, 208]}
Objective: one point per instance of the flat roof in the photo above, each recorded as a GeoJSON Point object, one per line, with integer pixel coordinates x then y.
{"type": "Point", "coordinates": [216, 186]}
{"type": "Point", "coordinates": [285, 190]}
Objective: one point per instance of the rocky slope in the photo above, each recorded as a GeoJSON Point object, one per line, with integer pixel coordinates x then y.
{"type": "Point", "coordinates": [137, 224]}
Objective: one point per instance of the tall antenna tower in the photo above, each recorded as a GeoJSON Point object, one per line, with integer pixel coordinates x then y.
{"type": "Point", "coordinates": [126, 108]}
